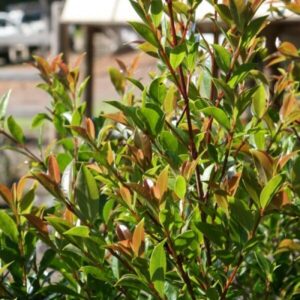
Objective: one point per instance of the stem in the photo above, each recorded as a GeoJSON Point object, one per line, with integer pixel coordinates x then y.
{"type": "Point", "coordinates": [274, 137]}
{"type": "Point", "coordinates": [178, 260]}
{"type": "Point", "coordinates": [240, 260]}
{"type": "Point", "coordinates": [221, 94]}
{"type": "Point", "coordinates": [214, 73]}
{"type": "Point", "coordinates": [28, 153]}
{"type": "Point", "coordinates": [194, 152]}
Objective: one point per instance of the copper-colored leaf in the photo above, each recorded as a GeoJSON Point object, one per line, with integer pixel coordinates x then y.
{"type": "Point", "coordinates": [69, 216]}
{"type": "Point", "coordinates": [264, 162]}
{"type": "Point", "coordinates": [125, 194]}
{"type": "Point", "coordinates": [125, 246]}
{"type": "Point", "coordinates": [289, 245]}
{"type": "Point", "coordinates": [53, 168]}
{"type": "Point", "coordinates": [161, 184]}
{"type": "Point", "coordinates": [20, 187]}
{"type": "Point", "coordinates": [281, 199]}
{"type": "Point", "coordinates": [289, 49]}
{"type": "Point", "coordinates": [134, 64]}
{"type": "Point", "coordinates": [122, 66]}
{"type": "Point", "coordinates": [233, 184]}
{"type": "Point", "coordinates": [38, 223]}
{"type": "Point", "coordinates": [123, 232]}
{"type": "Point", "coordinates": [49, 184]}
{"type": "Point", "coordinates": [285, 158]}
{"type": "Point", "coordinates": [221, 199]}
{"type": "Point", "coordinates": [118, 117]}
{"type": "Point", "coordinates": [6, 194]}
{"type": "Point", "coordinates": [90, 128]}
{"type": "Point", "coordinates": [138, 239]}
{"type": "Point", "coordinates": [80, 131]}
{"type": "Point", "coordinates": [140, 189]}
{"type": "Point", "coordinates": [288, 105]}
{"type": "Point", "coordinates": [109, 155]}
{"type": "Point", "coordinates": [294, 7]}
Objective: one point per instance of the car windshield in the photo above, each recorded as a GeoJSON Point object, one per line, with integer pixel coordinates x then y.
{"type": "Point", "coordinates": [27, 18]}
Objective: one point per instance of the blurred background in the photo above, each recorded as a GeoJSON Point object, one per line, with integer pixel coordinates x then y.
{"type": "Point", "coordinates": [96, 27]}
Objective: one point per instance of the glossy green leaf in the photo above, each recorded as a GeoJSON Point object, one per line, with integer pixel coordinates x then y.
{"type": "Point", "coordinates": [8, 226]}
{"type": "Point", "coordinates": [259, 101]}
{"type": "Point", "coordinates": [118, 80]}
{"type": "Point", "coordinates": [271, 188]}
{"type": "Point", "coordinates": [15, 130]}
{"type": "Point", "coordinates": [39, 119]}
{"type": "Point", "coordinates": [156, 11]}
{"type": "Point", "coordinates": [3, 104]}
{"type": "Point", "coordinates": [224, 13]}
{"type": "Point", "coordinates": [223, 57]}
{"type": "Point", "coordinates": [4, 268]}
{"type": "Point", "coordinates": [184, 240]}
{"type": "Point", "coordinates": [87, 194]}
{"type": "Point", "coordinates": [153, 118]}
{"type": "Point", "coordinates": [145, 32]}
{"type": "Point", "coordinates": [177, 55]}
{"type": "Point", "coordinates": [180, 187]}
{"type": "Point", "coordinates": [158, 266]}
{"type": "Point", "coordinates": [80, 231]}
{"type": "Point", "coordinates": [169, 141]}
{"type": "Point", "coordinates": [139, 10]}
{"type": "Point", "coordinates": [219, 115]}
{"type": "Point", "coordinates": [158, 90]}
{"type": "Point", "coordinates": [95, 272]}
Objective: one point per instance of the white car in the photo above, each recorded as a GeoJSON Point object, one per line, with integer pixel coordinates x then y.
{"type": "Point", "coordinates": [21, 33]}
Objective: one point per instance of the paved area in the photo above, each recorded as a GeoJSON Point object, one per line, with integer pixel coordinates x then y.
{"type": "Point", "coordinates": [27, 100]}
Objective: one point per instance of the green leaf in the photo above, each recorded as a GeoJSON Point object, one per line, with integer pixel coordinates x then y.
{"type": "Point", "coordinates": [254, 28]}
{"type": "Point", "coordinates": [133, 281]}
{"type": "Point", "coordinates": [177, 55]}
{"type": "Point", "coordinates": [184, 240]}
{"type": "Point", "coordinates": [223, 57]}
{"type": "Point", "coordinates": [180, 187]}
{"type": "Point", "coordinates": [4, 268]}
{"type": "Point", "coordinates": [217, 114]}
{"type": "Point", "coordinates": [168, 141]}
{"type": "Point", "coordinates": [118, 80]}
{"type": "Point", "coordinates": [158, 90]}
{"type": "Point", "coordinates": [95, 273]}
{"type": "Point", "coordinates": [158, 265]}
{"type": "Point", "coordinates": [139, 10]}
{"type": "Point", "coordinates": [8, 226]}
{"type": "Point", "coordinates": [80, 231]}
{"type": "Point", "coordinates": [156, 11]}
{"type": "Point", "coordinates": [270, 190]}
{"type": "Point", "coordinates": [39, 119]}
{"type": "Point", "coordinates": [224, 13]}
{"type": "Point", "coordinates": [213, 232]}
{"type": "Point", "coordinates": [153, 118]}
{"type": "Point", "coordinates": [3, 104]}
{"type": "Point", "coordinates": [15, 130]}
{"type": "Point", "coordinates": [181, 8]}
{"type": "Point", "coordinates": [221, 85]}
{"type": "Point", "coordinates": [87, 194]}
{"type": "Point", "coordinates": [259, 101]}
{"type": "Point", "coordinates": [144, 31]}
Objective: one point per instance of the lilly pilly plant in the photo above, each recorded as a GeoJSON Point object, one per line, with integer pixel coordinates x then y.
{"type": "Point", "coordinates": [190, 190]}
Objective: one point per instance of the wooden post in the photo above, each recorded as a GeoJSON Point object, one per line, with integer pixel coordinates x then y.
{"type": "Point", "coordinates": [90, 53]}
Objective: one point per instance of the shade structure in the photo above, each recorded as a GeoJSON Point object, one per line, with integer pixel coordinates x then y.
{"type": "Point", "coordinates": [118, 12]}
{"type": "Point", "coordinates": [98, 12]}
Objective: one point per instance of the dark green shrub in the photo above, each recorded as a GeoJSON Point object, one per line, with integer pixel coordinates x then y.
{"type": "Point", "coordinates": [190, 190]}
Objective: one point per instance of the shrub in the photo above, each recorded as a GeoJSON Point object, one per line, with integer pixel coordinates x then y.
{"type": "Point", "coordinates": [189, 190]}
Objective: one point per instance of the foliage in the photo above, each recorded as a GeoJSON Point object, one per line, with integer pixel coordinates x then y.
{"type": "Point", "coordinates": [190, 190]}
